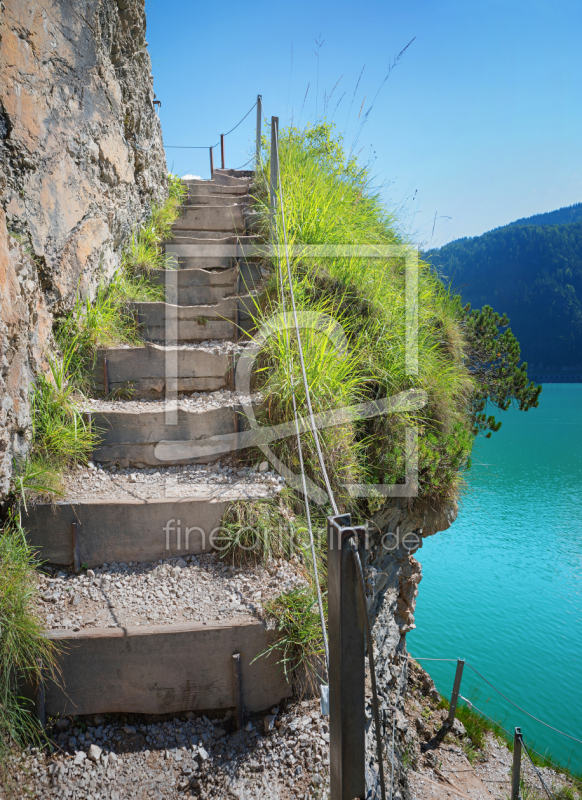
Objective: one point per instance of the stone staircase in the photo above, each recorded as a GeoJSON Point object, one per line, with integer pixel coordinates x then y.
{"type": "Point", "coordinates": [132, 516]}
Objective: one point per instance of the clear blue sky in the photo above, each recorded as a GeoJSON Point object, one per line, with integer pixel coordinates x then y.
{"type": "Point", "coordinates": [481, 121]}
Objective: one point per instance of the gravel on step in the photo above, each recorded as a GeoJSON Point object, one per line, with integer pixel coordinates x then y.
{"type": "Point", "coordinates": [213, 346]}
{"type": "Point", "coordinates": [197, 402]}
{"type": "Point", "coordinates": [222, 480]}
{"type": "Point", "coordinates": [193, 589]}
{"type": "Point", "coordinates": [280, 755]}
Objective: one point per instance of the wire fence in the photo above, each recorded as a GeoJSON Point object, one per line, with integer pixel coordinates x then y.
{"type": "Point", "coordinates": [516, 737]}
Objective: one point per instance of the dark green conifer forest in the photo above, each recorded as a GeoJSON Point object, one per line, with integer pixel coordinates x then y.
{"type": "Point", "coordinates": [531, 271]}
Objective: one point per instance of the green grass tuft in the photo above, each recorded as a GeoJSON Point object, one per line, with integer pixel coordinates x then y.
{"type": "Point", "coordinates": [22, 644]}
{"type": "Point", "coordinates": [328, 200]}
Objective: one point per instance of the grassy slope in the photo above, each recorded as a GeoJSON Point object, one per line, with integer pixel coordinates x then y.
{"type": "Point", "coordinates": [327, 201]}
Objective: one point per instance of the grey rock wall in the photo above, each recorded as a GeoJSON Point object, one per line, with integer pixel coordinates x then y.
{"type": "Point", "coordinates": [392, 578]}
{"type": "Point", "coordinates": [81, 159]}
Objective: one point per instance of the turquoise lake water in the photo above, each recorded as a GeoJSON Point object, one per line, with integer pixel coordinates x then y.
{"type": "Point", "coordinates": [502, 587]}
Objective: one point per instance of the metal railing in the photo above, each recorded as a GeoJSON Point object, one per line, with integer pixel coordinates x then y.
{"type": "Point", "coordinates": [258, 104]}
{"type": "Point", "coordinates": [519, 744]}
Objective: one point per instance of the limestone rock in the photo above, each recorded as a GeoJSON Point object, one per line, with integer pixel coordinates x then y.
{"type": "Point", "coordinates": [94, 753]}
{"type": "Point", "coordinates": [77, 173]}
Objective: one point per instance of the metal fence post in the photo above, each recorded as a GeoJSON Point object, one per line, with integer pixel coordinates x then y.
{"type": "Point", "coordinates": [516, 774]}
{"type": "Point", "coordinates": [76, 551]}
{"type": "Point", "coordinates": [274, 171]}
{"type": "Point", "coordinates": [347, 671]}
{"type": "Point", "coordinates": [237, 675]}
{"type": "Point", "coordinates": [259, 122]}
{"type": "Point", "coordinates": [222, 149]}
{"type": "Point", "coordinates": [211, 162]}
{"type": "Point", "coordinates": [456, 689]}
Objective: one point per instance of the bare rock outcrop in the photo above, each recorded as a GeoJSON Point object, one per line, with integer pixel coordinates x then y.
{"type": "Point", "coordinates": [81, 158]}
{"type": "Point", "coordinates": [392, 578]}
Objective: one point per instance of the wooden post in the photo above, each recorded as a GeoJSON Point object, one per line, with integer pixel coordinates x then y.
{"type": "Point", "coordinates": [237, 674]}
{"type": "Point", "coordinates": [274, 172]}
{"type": "Point", "coordinates": [516, 773]}
{"type": "Point", "coordinates": [75, 540]}
{"type": "Point", "coordinates": [222, 149]}
{"type": "Point", "coordinates": [259, 123]}
{"type": "Point", "coordinates": [347, 671]}
{"type": "Point", "coordinates": [211, 162]}
{"type": "Point", "coordinates": [455, 694]}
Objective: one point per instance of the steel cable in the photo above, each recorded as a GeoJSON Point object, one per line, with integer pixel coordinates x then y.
{"type": "Point", "coordinates": [302, 470]}
{"type": "Point", "coordinates": [300, 449]}
{"type": "Point", "coordinates": [510, 735]}
{"type": "Point", "coordinates": [557, 730]}
{"type": "Point", "coordinates": [211, 146]}
{"type": "Point", "coordinates": [523, 711]}
{"type": "Point", "coordinates": [300, 346]}
{"type": "Point", "coordinates": [328, 484]}
{"type": "Point", "coordinates": [550, 795]}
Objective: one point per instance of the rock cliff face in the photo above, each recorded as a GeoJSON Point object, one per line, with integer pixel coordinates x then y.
{"type": "Point", "coordinates": [392, 577]}
{"type": "Point", "coordinates": [81, 159]}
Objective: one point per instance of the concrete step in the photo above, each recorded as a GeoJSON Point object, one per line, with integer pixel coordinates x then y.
{"type": "Point", "coordinates": [120, 529]}
{"type": "Point", "coordinates": [233, 173]}
{"type": "Point", "coordinates": [164, 669]}
{"type": "Point", "coordinates": [148, 369]}
{"type": "Point", "coordinates": [189, 287]}
{"type": "Point", "coordinates": [129, 437]}
{"type": "Point", "coordinates": [211, 218]}
{"type": "Point", "coordinates": [121, 515]}
{"type": "Point", "coordinates": [220, 180]}
{"type": "Point", "coordinates": [200, 199]}
{"type": "Point", "coordinates": [164, 322]}
{"type": "Point", "coordinates": [217, 190]}
{"type": "Point", "coordinates": [203, 251]}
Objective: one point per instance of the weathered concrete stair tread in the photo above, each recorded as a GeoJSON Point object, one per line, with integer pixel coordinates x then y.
{"type": "Point", "coordinates": [189, 287]}
{"type": "Point", "coordinates": [147, 367]}
{"type": "Point", "coordinates": [244, 174]}
{"type": "Point", "coordinates": [211, 218]}
{"type": "Point", "coordinates": [220, 179]}
{"type": "Point", "coordinates": [129, 437]}
{"type": "Point", "coordinates": [164, 669]}
{"type": "Point", "coordinates": [222, 199]}
{"type": "Point", "coordinates": [218, 190]}
{"type": "Point", "coordinates": [130, 528]}
{"type": "Point", "coordinates": [160, 322]}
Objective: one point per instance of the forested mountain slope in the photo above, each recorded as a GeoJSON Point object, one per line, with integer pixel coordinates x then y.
{"type": "Point", "coordinates": [533, 273]}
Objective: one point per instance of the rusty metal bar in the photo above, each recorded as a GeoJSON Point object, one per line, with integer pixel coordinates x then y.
{"type": "Point", "coordinates": [105, 377]}
{"type": "Point", "coordinates": [237, 312]}
{"type": "Point", "coordinates": [455, 694]}
{"type": "Point", "coordinates": [211, 162]}
{"type": "Point", "coordinates": [222, 149]}
{"type": "Point", "coordinates": [259, 122]}
{"type": "Point", "coordinates": [347, 670]}
{"type": "Point", "coordinates": [516, 772]}
{"type": "Point", "coordinates": [39, 698]}
{"type": "Point", "coordinates": [238, 697]}
{"type": "Point", "coordinates": [75, 540]}
{"type": "Point", "coordinates": [87, 416]}
{"type": "Point", "coordinates": [274, 173]}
